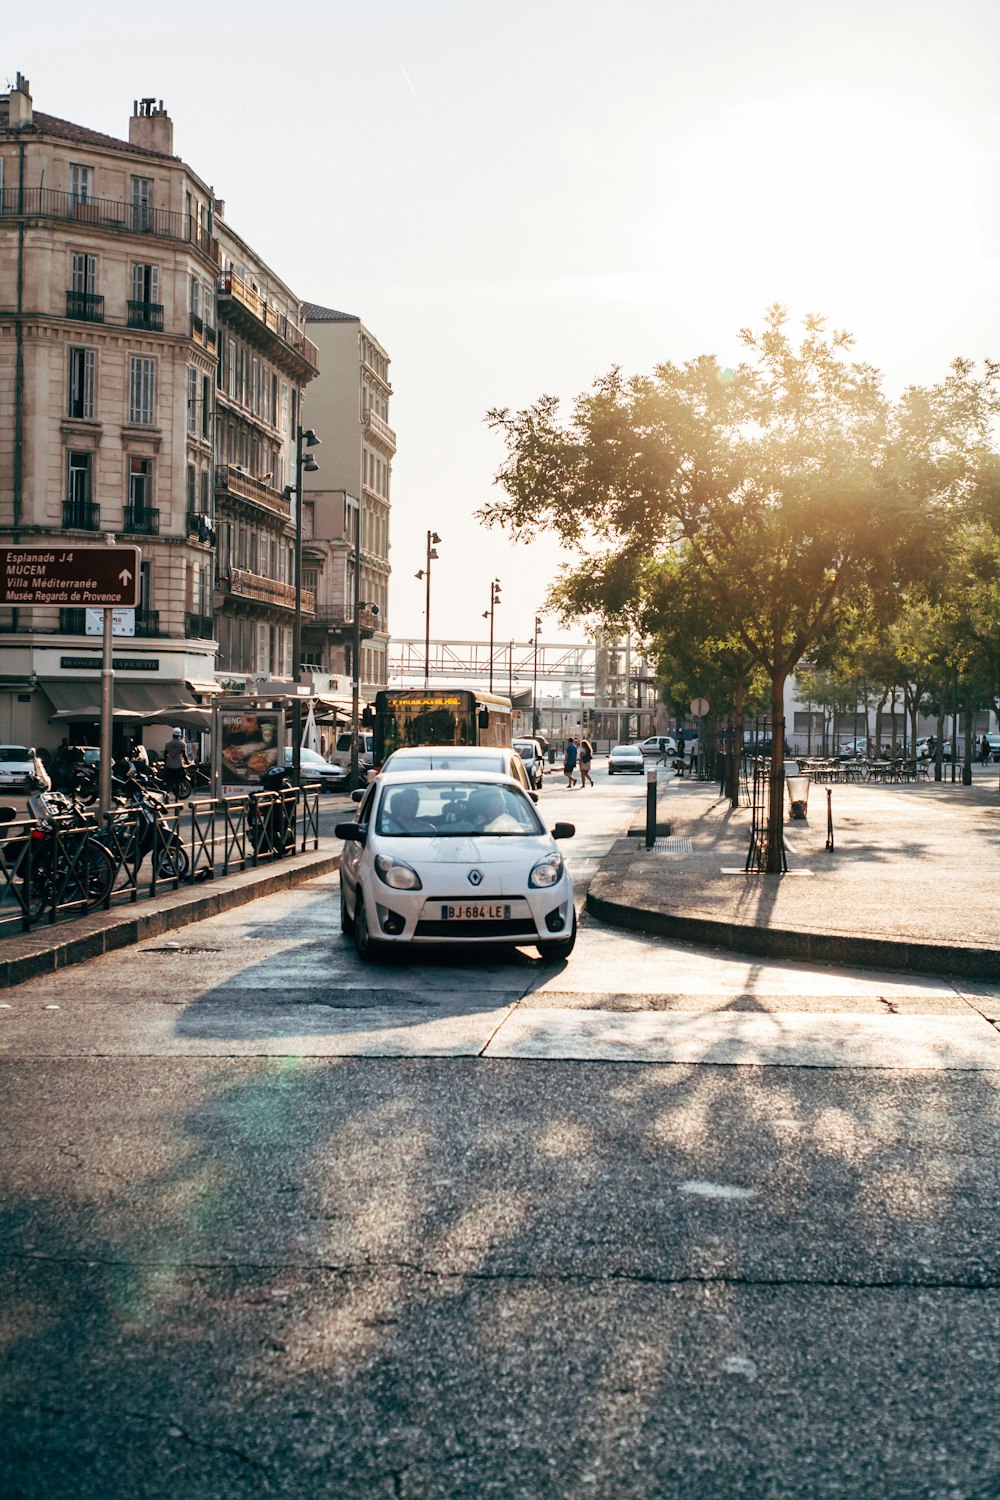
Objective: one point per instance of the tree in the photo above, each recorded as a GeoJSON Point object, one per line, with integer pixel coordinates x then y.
{"type": "Point", "coordinates": [773, 484]}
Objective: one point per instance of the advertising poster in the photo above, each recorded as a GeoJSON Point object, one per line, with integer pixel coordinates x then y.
{"type": "Point", "coordinates": [250, 743]}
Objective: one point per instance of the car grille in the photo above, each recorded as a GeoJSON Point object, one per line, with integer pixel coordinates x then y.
{"type": "Point", "coordinates": [514, 927]}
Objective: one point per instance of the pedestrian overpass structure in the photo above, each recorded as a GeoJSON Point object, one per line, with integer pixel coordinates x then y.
{"type": "Point", "coordinates": [604, 688]}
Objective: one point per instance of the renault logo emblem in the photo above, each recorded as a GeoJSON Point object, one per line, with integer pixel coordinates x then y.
{"type": "Point", "coordinates": [475, 877]}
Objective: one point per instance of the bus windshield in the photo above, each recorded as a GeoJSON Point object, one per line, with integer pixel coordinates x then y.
{"type": "Point", "coordinates": [439, 716]}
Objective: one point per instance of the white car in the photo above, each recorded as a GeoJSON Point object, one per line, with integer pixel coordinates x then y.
{"type": "Point", "coordinates": [20, 770]}
{"type": "Point", "coordinates": [458, 758]}
{"type": "Point", "coordinates": [625, 759]}
{"type": "Point", "coordinates": [314, 768]}
{"type": "Point", "coordinates": [533, 759]}
{"type": "Point", "coordinates": [659, 744]}
{"type": "Point", "coordinates": [454, 857]}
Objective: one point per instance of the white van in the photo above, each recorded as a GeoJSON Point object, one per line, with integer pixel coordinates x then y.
{"type": "Point", "coordinates": [340, 755]}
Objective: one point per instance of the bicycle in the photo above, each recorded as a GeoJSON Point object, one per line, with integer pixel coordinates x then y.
{"type": "Point", "coordinates": [65, 864]}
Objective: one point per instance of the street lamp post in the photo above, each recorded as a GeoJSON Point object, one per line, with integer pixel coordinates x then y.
{"type": "Point", "coordinates": [534, 679]}
{"type": "Point", "coordinates": [488, 614]}
{"type": "Point", "coordinates": [304, 464]}
{"type": "Point", "coordinates": [425, 573]}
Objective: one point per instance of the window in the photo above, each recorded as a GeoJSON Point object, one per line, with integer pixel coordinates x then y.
{"type": "Point", "coordinates": [196, 296]}
{"type": "Point", "coordinates": [81, 183]}
{"type": "Point", "coordinates": [192, 490]}
{"type": "Point", "coordinates": [140, 484]}
{"type": "Point", "coordinates": [81, 470]}
{"type": "Point", "coordinates": [208, 305]}
{"type": "Point", "coordinates": [206, 407]}
{"type": "Point", "coordinates": [83, 273]}
{"type": "Point", "coordinates": [142, 200]}
{"type": "Point", "coordinates": [142, 391]}
{"type": "Point", "coordinates": [81, 384]}
{"type": "Point", "coordinates": [192, 401]}
{"type": "Point", "coordinates": [206, 498]}
{"type": "Point", "coordinates": [145, 283]}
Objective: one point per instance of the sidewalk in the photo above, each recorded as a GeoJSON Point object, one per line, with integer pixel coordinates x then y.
{"type": "Point", "coordinates": [913, 880]}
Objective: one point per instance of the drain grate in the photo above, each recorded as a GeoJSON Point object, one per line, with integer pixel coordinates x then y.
{"type": "Point", "coordinates": [674, 846]}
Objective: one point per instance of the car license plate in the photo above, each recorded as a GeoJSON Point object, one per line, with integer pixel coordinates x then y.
{"type": "Point", "coordinates": [476, 911]}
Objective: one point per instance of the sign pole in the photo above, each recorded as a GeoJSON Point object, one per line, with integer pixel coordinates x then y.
{"type": "Point", "coordinates": [107, 705]}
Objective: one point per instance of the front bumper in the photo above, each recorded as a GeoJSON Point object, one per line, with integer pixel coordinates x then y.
{"type": "Point", "coordinates": [419, 917]}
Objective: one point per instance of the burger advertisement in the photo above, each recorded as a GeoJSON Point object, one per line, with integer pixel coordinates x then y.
{"type": "Point", "coordinates": [251, 744]}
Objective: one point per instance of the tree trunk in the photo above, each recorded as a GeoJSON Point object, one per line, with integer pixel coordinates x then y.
{"type": "Point", "coordinates": [939, 746]}
{"type": "Point", "coordinates": [967, 758]}
{"type": "Point", "coordinates": [736, 747]}
{"type": "Point", "coordinates": [776, 810]}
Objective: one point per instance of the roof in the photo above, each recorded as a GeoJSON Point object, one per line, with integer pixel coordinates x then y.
{"type": "Point", "coordinates": [67, 131]}
{"type": "Point", "coordinates": [313, 313]}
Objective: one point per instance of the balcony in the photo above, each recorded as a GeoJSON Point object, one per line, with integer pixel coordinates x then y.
{"type": "Point", "coordinates": [231, 480]}
{"type": "Point", "coordinates": [380, 429]}
{"type": "Point", "coordinates": [108, 213]}
{"type": "Point", "coordinates": [147, 315]}
{"type": "Point", "coordinates": [141, 520]}
{"type": "Point", "coordinates": [74, 622]}
{"type": "Point", "coordinates": [246, 585]}
{"type": "Point", "coordinates": [88, 307]}
{"type": "Point", "coordinates": [199, 627]}
{"type": "Point", "coordinates": [340, 623]}
{"type": "Point", "coordinates": [255, 317]}
{"type": "Point", "coordinates": [81, 515]}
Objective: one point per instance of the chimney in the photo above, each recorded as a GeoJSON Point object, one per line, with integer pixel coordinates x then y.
{"type": "Point", "coordinates": [151, 127]}
{"type": "Point", "coordinates": [19, 104]}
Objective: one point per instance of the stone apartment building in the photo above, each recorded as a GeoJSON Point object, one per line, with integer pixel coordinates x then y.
{"type": "Point", "coordinates": [348, 408]}
{"type": "Point", "coordinates": [151, 375]}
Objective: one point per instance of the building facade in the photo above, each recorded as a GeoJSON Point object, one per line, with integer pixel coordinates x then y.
{"type": "Point", "coordinates": [151, 371]}
{"type": "Point", "coordinates": [348, 408]}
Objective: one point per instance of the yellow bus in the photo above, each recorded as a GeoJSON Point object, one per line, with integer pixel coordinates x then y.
{"type": "Point", "coordinates": [439, 716]}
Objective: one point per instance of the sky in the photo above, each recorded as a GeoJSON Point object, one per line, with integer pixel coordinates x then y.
{"type": "Point", "coordinates": [515, 198]}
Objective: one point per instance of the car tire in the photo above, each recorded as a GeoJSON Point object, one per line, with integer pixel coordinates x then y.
{"type": "Point", "coordinates": [366, 946]}
{"type": "Point", "coordinates": [610, 771]}
{"type": "Point", "coordinates": [346, 924]}
{"type": "Point", "coordinates": [559, 947]}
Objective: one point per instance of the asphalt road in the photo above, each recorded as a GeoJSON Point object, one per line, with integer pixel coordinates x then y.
{"type": "Point", "coordinates": [653, 1222]}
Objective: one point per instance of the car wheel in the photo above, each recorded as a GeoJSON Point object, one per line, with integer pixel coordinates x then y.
{"type": "Point", "coordinates": [346, 924]}
{"type": "Point", "coordinates": [363, 941]}
{"type": "Point", "coordinates": [559, 947]}
{"type": "Point", "coordinates": [611, 770]}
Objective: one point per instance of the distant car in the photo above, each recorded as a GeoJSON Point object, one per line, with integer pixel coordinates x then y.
{"type": "Point", "coordinates": [340, 755]}
{"type": "Point", "coordinates": [624, 759]}
{"type": "Point", "coordinates": [457, 857]}
{"type": "Point", "coordinates": [315, 768]}
{"type": "Point", "coordinates": [659, 744]}
{"type": "Point", "coordinates": [18, 768]}
{"type": "Point", "coordinates": [459, 758]}
{"type": "Point", "coordinates": [924, 751]}
{"type": "Point", "coordinates": [533, 757]}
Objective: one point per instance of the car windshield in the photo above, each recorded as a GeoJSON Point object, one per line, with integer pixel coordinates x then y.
{"type": "Point", "coordinates": [13, 752]}
{"type": "Point", "coordinates": [455, 809]}
{"type": "Point", "coordinates": [444, 760]}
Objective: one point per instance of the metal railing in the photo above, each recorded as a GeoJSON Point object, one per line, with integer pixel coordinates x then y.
{"type": "Point", "coordinates": [81, 515]}
{"type": "Point", "coordinates": [88, 307]}
{"type": "Point", "coordinates": [147, 315]}
{"type": "Point", "coordinates": [199, 627]}
{"type": "Point", "coordinates": [108, 213]}
{"type": "Point", "coordinates": [142, 520]}
{"type": "Point", "coordinates": [40, 868]}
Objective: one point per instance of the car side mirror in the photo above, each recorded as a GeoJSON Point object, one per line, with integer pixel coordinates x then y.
{"type": "Point", "coordinates": [564, 830]}
{"type": "Point", "coordinates": [533, 796]}
{"type": "Point", "coordinates": [352, 833]}
{"type": "Point", "coordinates": [358, 795]}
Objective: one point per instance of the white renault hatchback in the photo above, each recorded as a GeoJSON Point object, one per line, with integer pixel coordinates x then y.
{"type": "Point", "coordinates": [454, 857]}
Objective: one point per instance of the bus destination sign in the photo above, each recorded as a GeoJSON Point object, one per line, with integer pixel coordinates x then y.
{"type": "Point", "coordinates": [98, 577]}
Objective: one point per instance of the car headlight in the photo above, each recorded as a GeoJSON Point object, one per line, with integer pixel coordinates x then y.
{"type": "Point", "coordinates": [397, 874]}
{"type": "Point", "coordinates": [547, 872]}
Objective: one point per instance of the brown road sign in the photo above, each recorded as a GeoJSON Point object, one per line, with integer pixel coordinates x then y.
{"type": "Point", "coordinates": [101, 577]}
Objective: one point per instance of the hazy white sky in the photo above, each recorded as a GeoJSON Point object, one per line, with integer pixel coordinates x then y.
{"type": "Point", "coordinates": [516, 197]}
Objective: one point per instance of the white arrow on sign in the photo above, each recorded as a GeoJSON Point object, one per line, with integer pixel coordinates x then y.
{"type": "Point", "coordinates": [126, 577]}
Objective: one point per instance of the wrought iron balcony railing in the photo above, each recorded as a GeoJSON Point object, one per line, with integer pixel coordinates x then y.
{"type": "Point", "coordinates": [199, 627]}
{"type": "Point", "coordinates": [142, 520]}
{"type": "Point", "coordinates": [108, 213]}
{"type": "Point", "coordinates": [146, 315]}
{"type": "Point", "coordinates": [81, 515]}
{"type": "Point", "coordinates": [87, 306]}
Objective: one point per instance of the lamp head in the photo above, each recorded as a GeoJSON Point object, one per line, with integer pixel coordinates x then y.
{"type": "Point", "coordinates": [419, 573]}
{"type": "Point", "coordinates": [310, 439]}
{"type": "Point", "coordinates": [432, 555]}
{"type": "Point", "coordinates": [309, 464]}
{"type": "Point", "coordinates": [433, 537]}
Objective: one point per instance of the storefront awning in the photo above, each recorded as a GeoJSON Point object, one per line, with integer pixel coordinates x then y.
{"type": "Point", "coordinates": [78, 702]}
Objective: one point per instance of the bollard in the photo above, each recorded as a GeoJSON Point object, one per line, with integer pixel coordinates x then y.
{"type": "Point", "coordinates": [829, 817]}
{"type": "Point", "coordinates": [650, 809]}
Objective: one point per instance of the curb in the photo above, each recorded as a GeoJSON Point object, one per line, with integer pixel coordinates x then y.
{"type": "Point", "coordinates": [42, 952]}
{"type": "Point", "coordinates": [812, 947]}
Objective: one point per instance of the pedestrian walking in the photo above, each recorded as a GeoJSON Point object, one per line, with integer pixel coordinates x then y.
{"type": "Point", "coordinates": [570, 755]}
{"type": "Point", "coordinates": [693, 753]}
{"type": "Point", "coordinates": [984, 751]}
{"type": "Point", "coordinates": [584, 756]}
